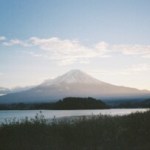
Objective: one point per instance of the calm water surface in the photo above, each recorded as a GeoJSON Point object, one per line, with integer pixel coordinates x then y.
{"type": "Point", "coordinates": [50, 114]}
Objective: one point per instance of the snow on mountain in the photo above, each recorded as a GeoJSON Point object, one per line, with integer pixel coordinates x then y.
{"type": "Point", "coordinates": [73, 76]}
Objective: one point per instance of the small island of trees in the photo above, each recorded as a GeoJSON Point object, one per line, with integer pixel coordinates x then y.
{"type": "Point", "coordinates": [69, 103]}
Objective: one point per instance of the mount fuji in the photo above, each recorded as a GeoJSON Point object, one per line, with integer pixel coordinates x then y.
{"type": "Point", "coordinates": [74, 83]}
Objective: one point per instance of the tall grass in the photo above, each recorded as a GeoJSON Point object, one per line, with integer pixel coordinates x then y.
{"type": "Point", "coordinates": [130, 132]}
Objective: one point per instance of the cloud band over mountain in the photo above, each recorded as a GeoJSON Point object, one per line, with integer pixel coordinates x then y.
{"type": "Point", "coordinates": [69, 51]}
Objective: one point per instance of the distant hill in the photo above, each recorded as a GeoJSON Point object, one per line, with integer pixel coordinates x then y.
{"type": "Point", "coordinates": [69, 103]}
{"type": "Point", "coordinates": [130, 104]}
{"type": "Point", "coordinates": [80, 103]}
{"type": "Point", "coordinates": [4, 91]}
{"type": "Point", "coordinates": [74, 83]}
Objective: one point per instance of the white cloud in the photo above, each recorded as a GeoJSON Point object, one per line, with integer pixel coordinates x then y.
{"type": "Point", "coordinates": [2, 38]}
{"type": "Point", "coordinates": [36, 54]}
{"type": "Point", "coordinates": [102, 46]}
{"type": "Point", "coordinates": [65, 51]}
{"type": "Point", "coordinates": [142, 50]}
{"type": "Point", "coordinates": [16, 42]}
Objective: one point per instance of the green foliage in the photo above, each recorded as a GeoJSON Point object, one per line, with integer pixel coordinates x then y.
{"type": "Point", "coordinates": [130, 132]}
{"type": "Point", "coordinates": [80, 103]}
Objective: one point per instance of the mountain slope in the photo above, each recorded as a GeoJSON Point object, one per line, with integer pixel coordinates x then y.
{"type": "Point", "coordinates": [74, 83]}
{"type": "Point", "coordinates": [4, 91]}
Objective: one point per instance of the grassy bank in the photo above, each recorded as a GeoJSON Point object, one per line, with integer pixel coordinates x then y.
{"type": "Point", "coordinates": [130, 132]}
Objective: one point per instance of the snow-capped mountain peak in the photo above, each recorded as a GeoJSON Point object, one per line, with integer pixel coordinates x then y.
{"type": "Point", "coordinates": [74, 83]}
{"type": "Point", "coordinates": [73, 76]}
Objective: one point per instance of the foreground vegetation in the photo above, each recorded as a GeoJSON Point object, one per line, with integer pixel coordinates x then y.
{"type": "Point", "coordinates": [131, 132]}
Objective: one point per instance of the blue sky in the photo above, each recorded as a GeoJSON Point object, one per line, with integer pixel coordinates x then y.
{"type": "Point", "coordinates": [41, 39]}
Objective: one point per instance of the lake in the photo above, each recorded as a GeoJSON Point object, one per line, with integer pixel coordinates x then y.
{"type": "Point", "coordinates": [50, 114]}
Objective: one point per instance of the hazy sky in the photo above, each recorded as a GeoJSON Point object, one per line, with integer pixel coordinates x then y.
{"type": "Point", "coordinates": [109, 39]}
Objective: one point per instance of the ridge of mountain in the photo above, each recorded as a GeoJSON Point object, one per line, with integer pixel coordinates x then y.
{"type": "Point", "coordinates": [73, 76]}
{"type": "Point", "coordinates": [4, 91]}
